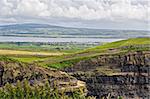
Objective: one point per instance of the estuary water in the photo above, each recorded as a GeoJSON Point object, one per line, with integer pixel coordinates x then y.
{"type": "Point", "coordinates": [40, 39]}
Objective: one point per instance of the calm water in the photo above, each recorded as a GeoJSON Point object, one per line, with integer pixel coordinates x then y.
{"type": "Point", "coordinates": [36, 39]}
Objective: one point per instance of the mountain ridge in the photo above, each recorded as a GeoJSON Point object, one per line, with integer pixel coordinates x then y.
{"type": "Point", "coordinates": [57, 26]}
{"type": "Point", "coordinates": [46, 30]}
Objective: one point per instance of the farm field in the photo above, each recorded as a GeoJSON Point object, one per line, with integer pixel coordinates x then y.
{"type": "Point", "coordinates": [29, 53]}
{"type": "Point", "coordinates": [62, 55]}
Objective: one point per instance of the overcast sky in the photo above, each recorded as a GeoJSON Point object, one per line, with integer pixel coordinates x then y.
{"type": "Point", "coordinates": [112, 14]}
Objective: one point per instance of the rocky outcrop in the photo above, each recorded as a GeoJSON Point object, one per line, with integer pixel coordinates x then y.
{"type": "Point", "coordinates": [113, 60]}
{"type": "Point", "coordinates": [131, 80]}
{"type": "Point", "coordinates": [128, 86]}
{"type": "Point", "coordinates": [1, 74]}
{"type": "Point", "coordinates": [12, 71]}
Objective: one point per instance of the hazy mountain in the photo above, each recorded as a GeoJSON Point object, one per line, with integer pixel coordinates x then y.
{"type": "Point", "coordinates": [45, 30]}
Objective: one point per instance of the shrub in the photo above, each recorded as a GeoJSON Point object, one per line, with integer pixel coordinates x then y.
{"type": "Point", "coordinates": [23, 90]}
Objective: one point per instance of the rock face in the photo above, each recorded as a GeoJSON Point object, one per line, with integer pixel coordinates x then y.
{"type": "Point", "coordinates": [11, 71]}
{"type": "Point", "coordinates": [128, 75]}
{"type": "Point", "coordinates": [1, 74]}
{"type": "Point", "coordinates": [114, 61]}
{"type": "Point", "coordinates": [127, 86]}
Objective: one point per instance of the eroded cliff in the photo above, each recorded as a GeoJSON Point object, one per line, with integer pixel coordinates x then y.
{"type": "Point", "coordinates": [11, 71]}
{"type": "Point", "coordinates": [124, 74]}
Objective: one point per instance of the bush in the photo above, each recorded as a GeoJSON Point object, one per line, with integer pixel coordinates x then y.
{"type": "Point", "coordinates": [23, 90]}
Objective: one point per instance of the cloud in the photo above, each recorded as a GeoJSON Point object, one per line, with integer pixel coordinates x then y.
{"type": "Point", "coordinates": [113, 10]}
{"type": "Point", "coordinates": [7, 20]}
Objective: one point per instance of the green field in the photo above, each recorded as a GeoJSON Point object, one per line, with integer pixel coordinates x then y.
{"type": "Point", "coordinates": [129, 42]}
{"type": "Point", "coordinates": [60, 56]}
{"type": "Point", "coordinates": [30, 52]}
{"type": "Point", "coordinates": [45, 47]}
{"type": "Point", "coordinates": [135, 44]}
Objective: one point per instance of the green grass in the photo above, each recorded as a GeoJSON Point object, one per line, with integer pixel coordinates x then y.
{"type": "Point", "coordinates": [26, 51]}
{"type": "Point", "coordinates": [31, 52]}
{"type": "Point", "coordinates": [8, 59]}
{"type": "Point", "coordinates": [45, 47]}
{"type": "Point", "coordinates": [62, 63]}
{"type": "Point", "coordinates": [128, 42]}
{"type": "Point", "coordinates": [70, 59]}
{"type": "Point", "coordinates": [120, 47]}
{"type": "Point", "coordinates": [29, 59]}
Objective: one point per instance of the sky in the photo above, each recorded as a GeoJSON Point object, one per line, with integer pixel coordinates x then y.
{"type": "Point", "coordinates": [100, 14]}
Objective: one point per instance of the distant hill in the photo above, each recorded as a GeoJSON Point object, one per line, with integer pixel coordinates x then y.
{"type": "Point", "coordinates": [28, 25]}
{"type": "Point", "coordinates": [45, 30]}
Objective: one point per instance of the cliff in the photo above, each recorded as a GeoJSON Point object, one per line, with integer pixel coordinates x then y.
{"type": "Point", "coordinates": [122, 74]}
{"type": "Point", "coordinates": [113, 61]}
{"type": "Point", "coordinates": [11, 71]}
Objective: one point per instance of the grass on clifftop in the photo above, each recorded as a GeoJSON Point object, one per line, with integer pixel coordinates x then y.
{"type": "Point", "coordinates": [134, 44]}
{"type": "Point", "coordinates": [117, 44]}
{"type": "Point", "coordinates": [61, 60]}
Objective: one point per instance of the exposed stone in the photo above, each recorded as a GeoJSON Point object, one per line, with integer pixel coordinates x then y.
{"type": "Point", "coordinates": [1, 74]}
{"type": "Point", "coordinates": [12, 71]}
{"type": "Point", "coordinates": [132, 80]}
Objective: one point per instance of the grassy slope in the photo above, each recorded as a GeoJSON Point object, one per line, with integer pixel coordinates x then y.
{"type": "Point", "coordinates": [28, 56]}
{"type": "Point", "coordinates": [15, 52]}
{"type": "Point", "coordinates": [117, 44]}
{"type": "Point", "coordinates": [59, 60]}
{"type": "Point", "coordinates": [44, 47]}
{"type": "Point", "coordinates": [69, 60]}
{"type": "Point", "coordinates": [30, 52]}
